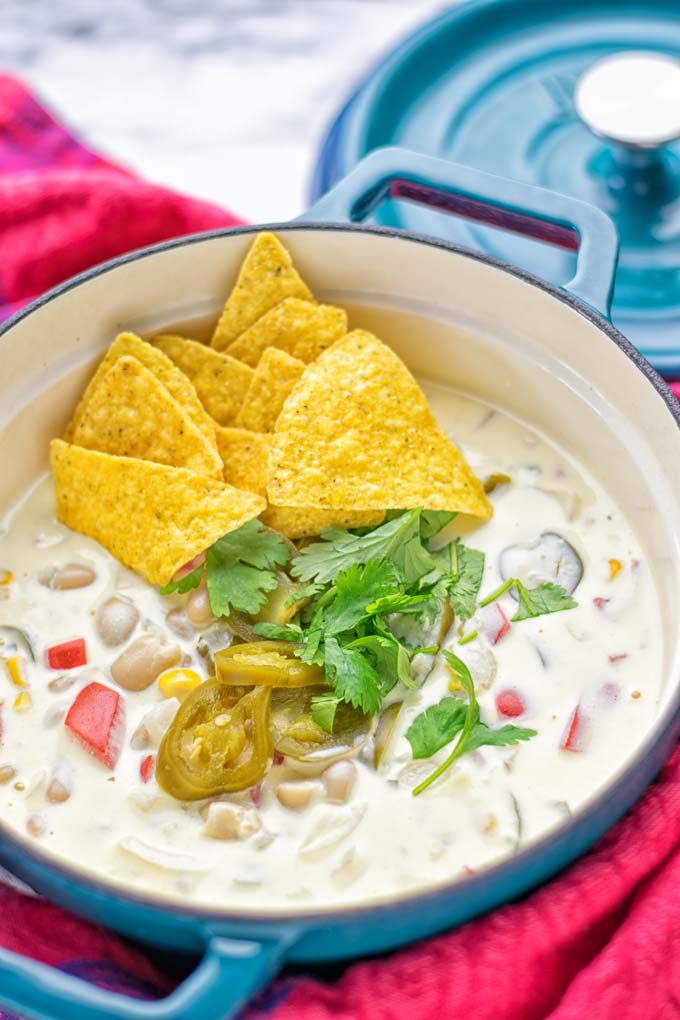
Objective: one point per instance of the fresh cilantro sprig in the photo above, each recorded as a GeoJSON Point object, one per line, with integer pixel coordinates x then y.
{"type": "Point", "coordinates": [441, 723]}
{"type": "Point", "coordinates": [361, 589]}
{"type": "Point", "coordinates": [240, 569]}
{"type": "Point", "coordinates": [463, 570]}
{"type": "Point", "coordinates": [545, 598]}
{"type": "Point", "coordinates": [185, 583]}
{"type": "Point", "coordinates": [398, 541]}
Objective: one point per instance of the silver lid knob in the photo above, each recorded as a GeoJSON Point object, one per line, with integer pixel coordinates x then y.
{"type": "Point", "coordinates": [632, 99]}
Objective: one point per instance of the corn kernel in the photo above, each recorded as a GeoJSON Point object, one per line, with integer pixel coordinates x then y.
{"type": "Point", "coordinates": [15, 668]}
{"type": "Point", "coordinates": [6, 576]}
{"type": "Point", "coordinates": [177, 683]}
{"type": "Point", "coordinates": [614, 568]}
{"type": "Point", "coordinates": [24, 702]}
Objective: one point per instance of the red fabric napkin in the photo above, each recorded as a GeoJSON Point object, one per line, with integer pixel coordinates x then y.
{"type": "Point", "coordinates": [600, 941]}
{"type": "Point", "coordinates": [63, 208]}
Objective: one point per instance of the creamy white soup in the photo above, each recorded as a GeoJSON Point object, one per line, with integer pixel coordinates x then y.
{"type": "Point", "coordinates": [336, 833]}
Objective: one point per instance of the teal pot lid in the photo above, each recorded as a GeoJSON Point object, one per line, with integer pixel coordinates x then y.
{"type": "Point", "coordinates": [581, 98]}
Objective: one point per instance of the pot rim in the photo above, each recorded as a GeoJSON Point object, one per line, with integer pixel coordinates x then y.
{"type": "Point", "coordinates": [519, 863]}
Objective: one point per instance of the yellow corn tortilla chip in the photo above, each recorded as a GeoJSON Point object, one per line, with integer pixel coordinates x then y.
{"type": "Point", "coordinates": [300, 328]}
{"type": "Point", "coordinates": [219, 380]}
{"type": "Point", "coordinates": [175, 382]}
{"type": "Point", "coordinates": [306, 522]}
{"type": "Point", "coordinates": [267, 276]}
{"type": "Point", "coordinates": [246, 454]}
{"type": "Point", "coordinates": [151, 517]}
{"type": "Point", "coordinates": [357, 433]}
{"type": "Point", "coordinates": [130, 413]}
{"type": "Point", "coordinates": [273, 379]}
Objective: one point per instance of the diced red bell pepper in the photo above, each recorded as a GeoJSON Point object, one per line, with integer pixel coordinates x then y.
{"type": "Point", "coordinates": [68, 655]}
{"type": "Point", "coordinates": [510, 704]}
{"type": "Point", "coordinates": [600, 602]}
{"type": "Point", "coordinates": [191, 565]}
{"type": "Point", "coordinates": [146, 767]}
{"type": "Point", "coordinates": [97, 719]}
{"type": "Point", "coordinates": [255, 794]}
{"type": "Point", "coordinates": [575, 733]}
{"type": "Point", "coordinates": [617, 658]}
{"type": "Point", "coordinates": [495, 622]}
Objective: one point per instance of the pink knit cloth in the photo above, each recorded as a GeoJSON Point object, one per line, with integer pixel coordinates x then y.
{"type": "Point", "coordinates": [601, 941]}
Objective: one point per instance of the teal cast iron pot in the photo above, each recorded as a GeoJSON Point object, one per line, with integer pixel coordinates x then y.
{"type": "Point", "coordinates": [543, 352]}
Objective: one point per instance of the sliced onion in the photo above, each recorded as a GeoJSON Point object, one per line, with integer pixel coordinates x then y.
{"type": "Point", "coordinates": [332, 827]}
{"type": "Point", "coordinates": [15, 639]}
{"type": "Point", "coordinates": [159, 857]}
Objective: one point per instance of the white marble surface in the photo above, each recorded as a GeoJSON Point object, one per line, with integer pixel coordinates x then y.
{"type": "Point", "coordinates": [225, 99]}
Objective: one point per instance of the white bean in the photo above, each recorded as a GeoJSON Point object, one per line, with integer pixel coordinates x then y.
{"type": "Point", "coordinates": [143, 661]}
{"type": "Point", "coordinates": [230, 821]}
{"type": "Point", "coordinates": [179, 623]}
{"type": "Point", "coordinates": [297, 796]}
{"type": "Point", "coordinates": [60, 786]}
{"type": "Point", "coordinates": [198, 608]}
{"type": "Point", "coordinates": [140, 740]}
{"type": "Point", "coordinates": [338, 780]}
{"type": "Point", "coordinates": [54, 715]}
{"type": "Point", "coordinates": [36, 825]}
{"type": "Point", "coordinates": [71, 575]}
{"type": "Point", "coordinates": [115, 621]}
{"type": "Point", "coordinates": [61, 683]}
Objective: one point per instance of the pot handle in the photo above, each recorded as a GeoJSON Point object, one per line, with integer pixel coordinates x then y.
{"type": "Point", "coordinates": [231, 971]}
{"type": "Point", "coordinates": [496, 201]}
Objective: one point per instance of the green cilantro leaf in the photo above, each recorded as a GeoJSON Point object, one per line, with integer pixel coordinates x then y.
{"type": "Point", "coordinates": [391, 659]}
{"type": "Point", "coordinates": [463, 570]}
{"type": "Point", "coordinates": [241, 568]}
{"type": "Point", "coordinates": [324, 706]}
{"type": "Point", "coordinates": [185, 583]}
{"type": "Point", "coordinates": [339, 549]}
{"type": "Point", "coordinates": [355, 589]}
{"type": "Point", "coordinates": [309, 592]}
{"type": "Point", "coordinates": [465, 589]}
{"type": "Point", "coordinates": [436, 727]}
{"type": "Point", "coordinates": [473, 733]}
{"type": "Point", "coordinates": [482, 736]}
{"type": "Point", "coordinates": [312, 642]}
{"type": "Point", "coordinates": [412, 560]}
{"type": "Point", "coordinates": [544, 598]}
{"type": "Point", "coordinates": [354, 678]}
{"type": "Point", "coordinates": [397, 602]}
{"type": "Point", "coordinates": [278, 632]}
{"type": "Point", "coordinates": [434, 521]}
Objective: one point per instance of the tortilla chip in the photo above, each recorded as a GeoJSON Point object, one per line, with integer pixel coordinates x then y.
{"type": "Point", "coordinates": [131, 414]}
{"type": "Point", "coordinates": [246, 454]}
{"type": "Point", "coordinates": [307, 522]}
{"type": "Point", "coordinates": [300, 328]}
{"type": "Point", "coordinates": [274, 378]}
{"type": "Point", "coordinates": [267, 276]}
{"type": "Point", "coordinates": [175, 382]}
{"type": "Point", "coordinates": [151, 517]}
{"type": "Point", "coordinates": [219, 380]}
{"type": "Point", "coordinates": [357, 433]}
